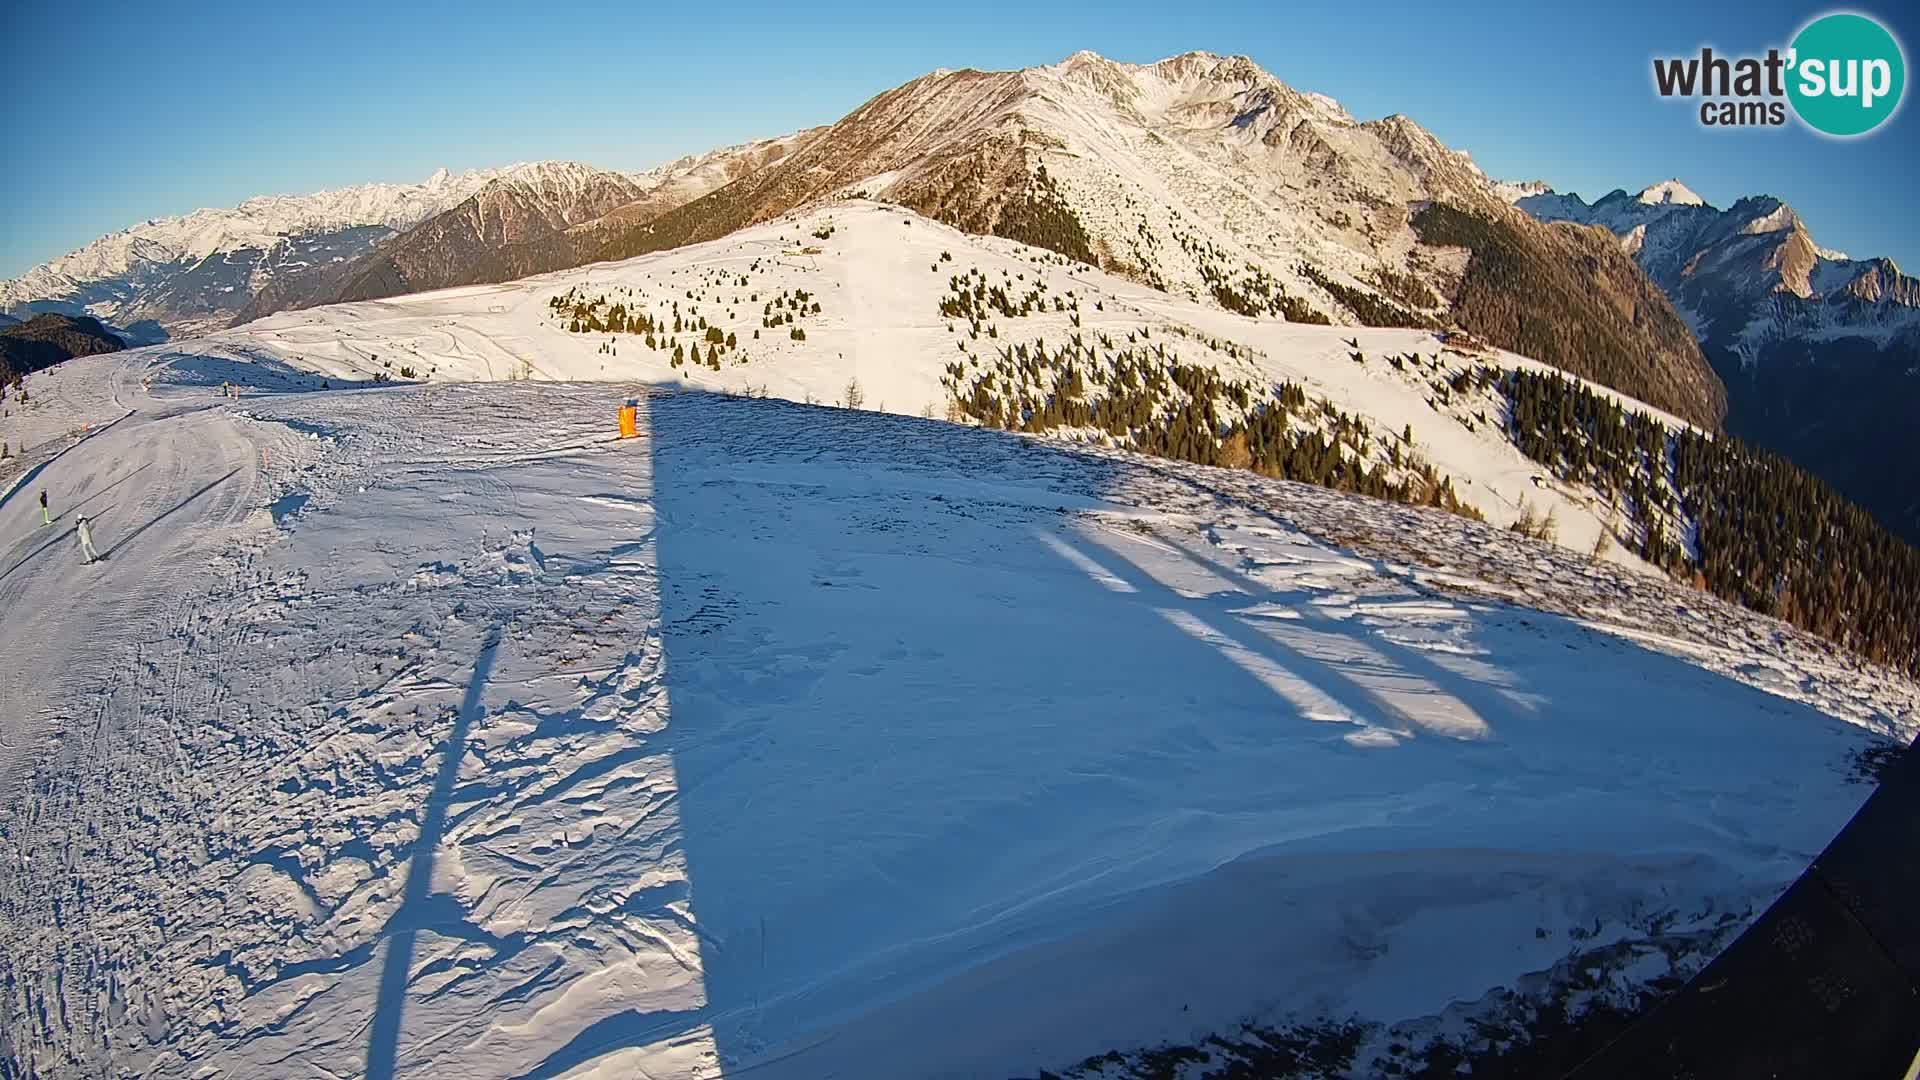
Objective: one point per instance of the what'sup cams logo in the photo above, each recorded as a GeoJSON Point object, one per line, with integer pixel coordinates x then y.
{"type": "Point", "coordinates": [1843, 76]}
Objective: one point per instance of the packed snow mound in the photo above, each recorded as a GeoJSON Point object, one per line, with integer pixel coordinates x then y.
{"type": "Point", "coordinates": [435, 731]}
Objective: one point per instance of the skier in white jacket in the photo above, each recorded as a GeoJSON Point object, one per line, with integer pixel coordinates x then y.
{"type": "Point", "coordinates": [86, 541]}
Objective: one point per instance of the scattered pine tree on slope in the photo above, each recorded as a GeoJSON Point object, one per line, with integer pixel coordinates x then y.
{"type": "Point", "coordinates": [1371, 310]}
{"type": "Point", "coordinates": [1144, 398]}
{"type": "Point", "coordinates": [1745, 523]}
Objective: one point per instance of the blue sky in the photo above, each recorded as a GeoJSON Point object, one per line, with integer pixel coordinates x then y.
{"type": "Point", "coordinates": [120, 112]}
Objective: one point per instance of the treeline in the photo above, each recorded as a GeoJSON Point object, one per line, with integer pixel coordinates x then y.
{"type": "Point", "coordinates": [46, 340]}
{"type": "Point", "coordinates": [1147, 399]}
{"type": "Point", "coordinates": [1405, 288]}
{"type": "Point", "coordinates": [1568, 295]}
{"type": "Point", "coordinates": [1761, 532]}
{"type": "Point", "coordinates": [1041, 217]}
{"type": "Point", "coordinates": [1587, 438]}
{"type": "Point", "coordinates": [1371, 310]}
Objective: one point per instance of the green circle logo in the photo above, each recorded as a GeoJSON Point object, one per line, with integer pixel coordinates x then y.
{"type": "Point", "coordinates": [1848, 74]}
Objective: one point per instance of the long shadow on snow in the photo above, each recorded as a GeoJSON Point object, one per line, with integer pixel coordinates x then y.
{"type": "Point", "coordinates": [872, 711]}
{"type": "Point", "coordinates": [1344, 689]}
{"type": "Point", "coordinates": [11, 489]}
{"type": "Point", "coordinates": [415, 911]}
{"type": "Point", "coordinates": [891, 699]}
{"type": "Point", "coordinates": [257, 372]}
{"type": "Point", "coordinates": [82, 504]}
{"type": "Point", "coordinates": [25, 482]}
{"type": "Point", "coordinates": [62, 533]}
{"type": "Point", "coordinates": [127, 540]}
{"type": "Point", "coordinates": [1485, 700]}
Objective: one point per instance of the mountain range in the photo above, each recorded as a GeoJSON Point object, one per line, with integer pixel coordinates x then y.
{"type": "Point", "coordinates": [183, 276]}
{"type": "Point", "coordinates": [1206, 177]}
{"type": "Point", "coordinates": [548, 216]}
{"type": "Point", "coordinates": [1820, 352]}
{"type": "Point", "coordinates": [1202, 176]}
{"type": "Point", "coordinates": [177, 276]}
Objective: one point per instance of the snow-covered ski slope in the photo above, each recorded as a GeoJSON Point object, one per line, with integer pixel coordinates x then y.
{"type": "Point", "coordinates": [431, 731]}
{"type": "Point", "coordinates": [879, 274]}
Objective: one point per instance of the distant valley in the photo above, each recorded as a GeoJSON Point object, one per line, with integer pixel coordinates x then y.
{"type": "Point", "coordinates": [1820, 352]}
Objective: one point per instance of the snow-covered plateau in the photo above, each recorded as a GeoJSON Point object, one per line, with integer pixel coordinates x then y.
{"type": "Point", "coordinates": [430, 729]}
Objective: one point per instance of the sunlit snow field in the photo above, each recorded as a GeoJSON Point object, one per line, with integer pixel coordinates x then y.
{"type": "Point", "coordinates": [433, 731]}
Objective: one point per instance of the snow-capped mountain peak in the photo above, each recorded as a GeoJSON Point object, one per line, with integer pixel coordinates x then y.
{"type": "Point", "coordinates": [1670, 192]}
{"type": "Point", "coordinates": [566, 191]}
{"type": "Point", "coordinates": [199, 271]}
{"type": "Point", "coordinates": [1769, 215]}
{"type": "Point", "coordinates": [190, 271]}
{"type": "Point", "coordinates": [1515, 190]}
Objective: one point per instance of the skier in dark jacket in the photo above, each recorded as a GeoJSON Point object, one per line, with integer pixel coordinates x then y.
{"type": "Point", "coordinates": [45, 518]}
